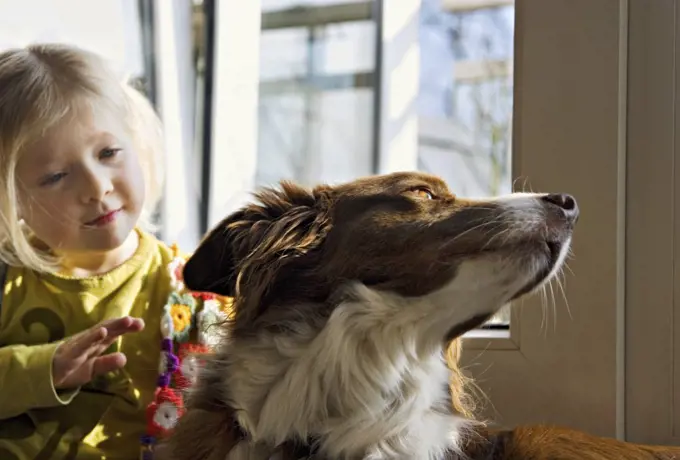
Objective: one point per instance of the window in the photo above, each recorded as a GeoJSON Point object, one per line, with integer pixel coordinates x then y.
{"type": "Point", "coordinates": [316, 93]}
{"type": "Point", "coordinates": [319, 75]}
{"type": "Point", "coordinates": [465, 98]}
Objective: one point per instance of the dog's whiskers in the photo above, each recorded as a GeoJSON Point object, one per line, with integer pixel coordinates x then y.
{"type": "Point", "coordinates": [561, 280]}
{"type": "Point", "coordinates": [553, 305]}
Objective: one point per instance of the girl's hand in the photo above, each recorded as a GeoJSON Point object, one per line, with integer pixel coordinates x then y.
{"type": "Point", "coordinates": [78, 360]}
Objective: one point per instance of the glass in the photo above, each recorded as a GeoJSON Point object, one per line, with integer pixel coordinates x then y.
{"type": "Point", "coordinates": [466, 97]}
{"type": "Point", "coordinates": [316, 93]}
{"type": "Point", "coordinates": [272, 5]}
{"type": "Point", "coordinates": [120, 41]}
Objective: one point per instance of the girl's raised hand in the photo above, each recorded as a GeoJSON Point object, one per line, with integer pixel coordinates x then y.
{"type": "Point", "coordinates": [79, 359]}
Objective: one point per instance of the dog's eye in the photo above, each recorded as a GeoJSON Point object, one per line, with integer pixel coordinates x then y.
{"type": "Point", "coordinates": [423, 192]}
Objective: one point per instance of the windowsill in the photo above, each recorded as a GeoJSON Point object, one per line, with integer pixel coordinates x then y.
{"type": "Point", "coordinates": [489, 339]}
{"type": "Point", "coordinates": [488, 334]}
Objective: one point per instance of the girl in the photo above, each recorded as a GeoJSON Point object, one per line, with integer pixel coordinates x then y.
{"type": "Point", "coordinates": [92, 304]}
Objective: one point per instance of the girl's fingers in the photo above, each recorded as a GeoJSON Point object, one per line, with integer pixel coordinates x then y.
{"type": "Point", "coordinates": [123, 326]}
{"type": "Point", "coordinates": [81, 344]}
{"type": "Point", "coordinates": [113, 333]}
{"type": "Point", "coordinates": [108, 363]}
{"type": "Point", "coordinates": [103, 345]}
{"type": "Point", "coordinates": [134, 325]}
{"type": "Point", "coordinates": [97, 339]}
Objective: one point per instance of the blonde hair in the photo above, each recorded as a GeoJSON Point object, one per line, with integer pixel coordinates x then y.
{"type": "Point", "coordinates": [39, 86]}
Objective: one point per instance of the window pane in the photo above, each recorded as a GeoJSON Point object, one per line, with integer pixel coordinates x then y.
{"type": "Point", "coordinates": [284, 54]}
{"type": "Point", "coordinates": [465, 101]}
{"type": "Point", "coordinates": [268, 5]}
{"type": "Point", "coordinates": [120, 41]}
{"type": "Point", "coordinates": [316, 96]}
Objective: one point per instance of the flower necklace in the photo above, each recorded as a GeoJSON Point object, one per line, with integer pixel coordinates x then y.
{"type": "Point", "coordinates": [185, 330]}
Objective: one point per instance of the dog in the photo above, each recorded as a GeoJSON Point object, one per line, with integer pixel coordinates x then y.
{"type": "Point", "coordinates": [350, 301]}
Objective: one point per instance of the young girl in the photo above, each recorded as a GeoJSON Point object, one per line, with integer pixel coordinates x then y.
{"type": "Point", "coordinates": [95, 325]}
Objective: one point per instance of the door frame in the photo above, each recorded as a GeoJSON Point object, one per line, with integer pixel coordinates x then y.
{"type": "Point", "coordinates": [653, 270]}
{"type": "Point", "coordinates": [566, 366]}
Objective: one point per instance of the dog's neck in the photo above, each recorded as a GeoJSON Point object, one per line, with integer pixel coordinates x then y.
{"type": "Point", "coordinates": [362, 388]}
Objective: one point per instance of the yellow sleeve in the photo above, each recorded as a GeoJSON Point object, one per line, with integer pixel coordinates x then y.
{"type": "Point", "coordinates": [26, 379]}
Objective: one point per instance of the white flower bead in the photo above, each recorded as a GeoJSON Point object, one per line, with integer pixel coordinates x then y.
{"type": "Point", "coordinates": [166, 415]}
{"type": "Point", "coordinates": [190, 368]}
{"type": "Point", "coordinates": [167, 326]}
{"type": "Point", "coordinates": [176, 281]}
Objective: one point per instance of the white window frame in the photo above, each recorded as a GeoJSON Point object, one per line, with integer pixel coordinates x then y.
{"type": "Point", "coordinates": [175, 102]}
{"type": "Point", "coordinates": [233, 148]}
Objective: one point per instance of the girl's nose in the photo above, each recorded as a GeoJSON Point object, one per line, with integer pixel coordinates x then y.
{"type": "Point", "coordinates": [96, 185]}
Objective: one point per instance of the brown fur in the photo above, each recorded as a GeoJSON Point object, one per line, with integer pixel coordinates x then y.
{"type": "Point", "coordinates": [555, 443]}
{"type": "Point", "coordinates": [300, 246]}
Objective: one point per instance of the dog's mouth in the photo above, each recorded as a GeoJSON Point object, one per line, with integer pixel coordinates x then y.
{"type": "Point", "coordinates": [549, 257]}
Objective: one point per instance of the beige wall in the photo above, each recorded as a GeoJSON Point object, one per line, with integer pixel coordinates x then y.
{"type": "Point", "coordinates": [595, 115]}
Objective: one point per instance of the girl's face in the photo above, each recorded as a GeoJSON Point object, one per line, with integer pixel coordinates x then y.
{"type": "Point", "coordinates": [81, 186]}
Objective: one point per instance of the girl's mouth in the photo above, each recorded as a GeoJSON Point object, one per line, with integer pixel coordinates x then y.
{"type": "Point", "coordinates": [104, 219]}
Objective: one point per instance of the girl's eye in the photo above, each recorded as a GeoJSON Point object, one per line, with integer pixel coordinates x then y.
{"type": "Point", "coordinates": [52, 179]}
{"type": "Point", "coordinates": [108, 153]}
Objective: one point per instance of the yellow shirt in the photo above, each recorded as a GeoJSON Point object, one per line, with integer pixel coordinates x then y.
{"type": "Point", "coordinates": [105, 418]}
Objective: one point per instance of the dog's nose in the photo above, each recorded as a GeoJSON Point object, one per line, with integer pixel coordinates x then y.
{"type": "Point", "coordinates": [565, 202]}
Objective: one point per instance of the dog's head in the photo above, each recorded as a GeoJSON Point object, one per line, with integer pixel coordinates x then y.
{"type": "Point", "coordinates": [404, 233]}
{"type": "Point", "coordinates": [342, 292]}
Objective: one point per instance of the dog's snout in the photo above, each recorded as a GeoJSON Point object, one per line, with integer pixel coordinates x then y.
{"type": "Point", "coordinates": [565, 202]}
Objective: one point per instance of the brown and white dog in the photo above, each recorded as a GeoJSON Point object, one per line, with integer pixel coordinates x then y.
{"type": "Point", "coordinates": [349, 300]}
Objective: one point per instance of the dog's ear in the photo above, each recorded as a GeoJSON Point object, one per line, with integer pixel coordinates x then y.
{"type": "Point", "coordinates": [212, 267]}
{"type": "Point", "coordinates": [252, 242]}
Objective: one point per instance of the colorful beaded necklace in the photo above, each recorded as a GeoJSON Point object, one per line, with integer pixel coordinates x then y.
{"type": "Point", "coordinates": [186, 332]}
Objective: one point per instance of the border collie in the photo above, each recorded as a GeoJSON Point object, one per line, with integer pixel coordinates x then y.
{"type": "Point", "coordinates": [348, 301]}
